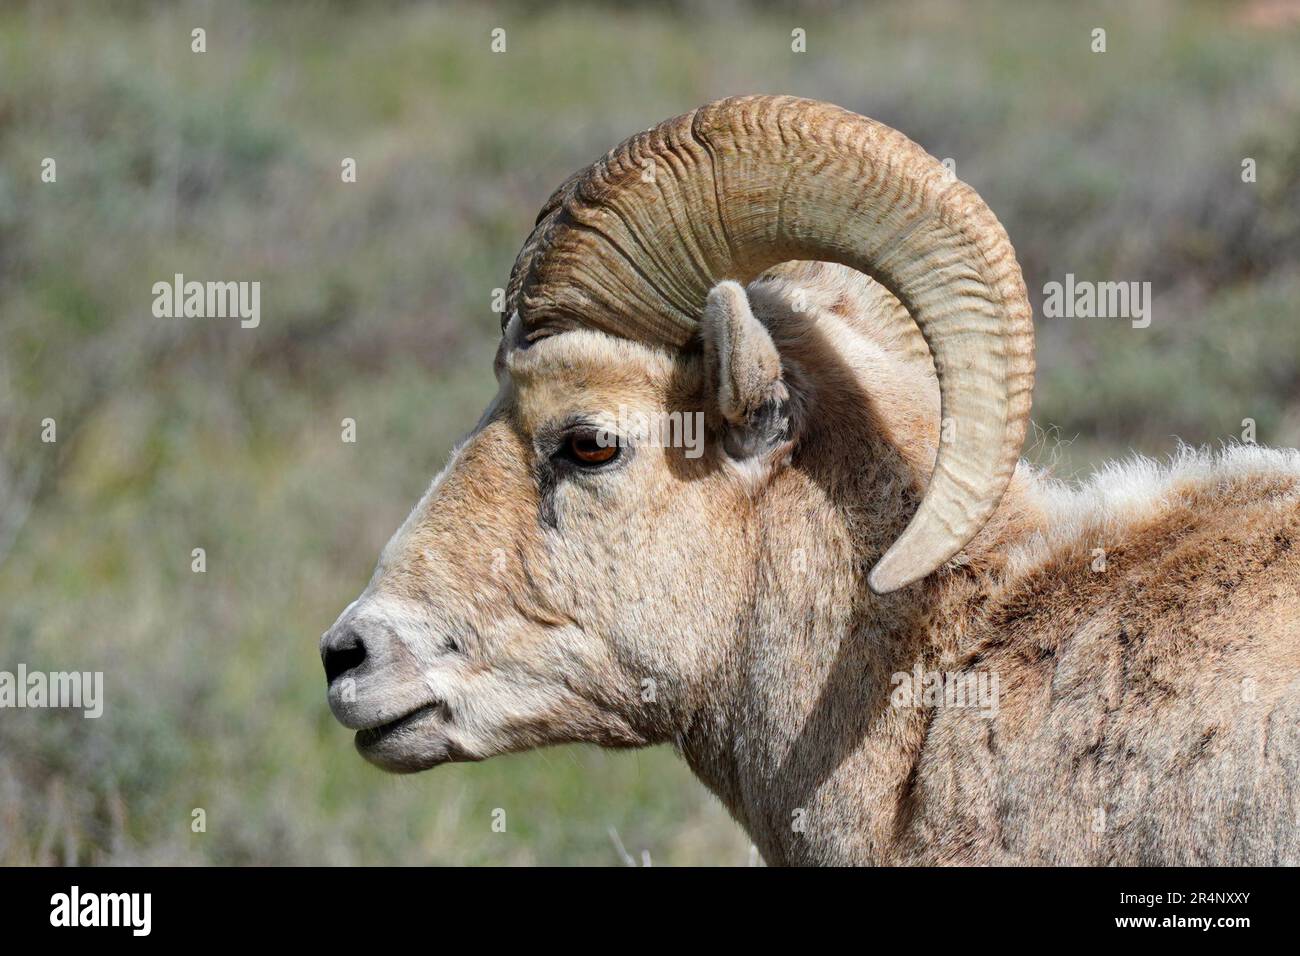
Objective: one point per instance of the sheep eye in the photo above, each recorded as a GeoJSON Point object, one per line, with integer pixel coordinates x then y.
{"type": "Point", "coordinates": [587, 449]}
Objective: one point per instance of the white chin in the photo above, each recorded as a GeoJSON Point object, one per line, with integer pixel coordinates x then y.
{"type": "Point", "coordinates": [417, 744]}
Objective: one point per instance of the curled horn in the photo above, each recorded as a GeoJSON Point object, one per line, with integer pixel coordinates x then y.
{"type": "Point", "coordinates": [633, 244]}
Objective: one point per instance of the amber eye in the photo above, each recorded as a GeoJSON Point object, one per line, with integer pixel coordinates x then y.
{"type": "Point", "coordinates": [588, 448]}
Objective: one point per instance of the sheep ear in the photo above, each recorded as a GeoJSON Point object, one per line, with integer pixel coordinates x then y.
{"type": "Point", "coordinates": [746, 368]}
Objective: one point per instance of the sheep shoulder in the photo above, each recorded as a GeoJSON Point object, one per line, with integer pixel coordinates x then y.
{"type": "Point", "coordinates": [1147, 643]}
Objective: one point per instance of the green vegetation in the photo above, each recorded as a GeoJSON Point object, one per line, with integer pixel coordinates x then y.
{"type": "Point", "coordinates": [182, 433]}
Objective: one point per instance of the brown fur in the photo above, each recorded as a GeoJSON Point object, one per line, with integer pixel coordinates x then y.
{"type": "Point", "coordinates": [1147, 710]}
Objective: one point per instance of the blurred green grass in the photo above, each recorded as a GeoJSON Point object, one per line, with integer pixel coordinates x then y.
{"type": "Point", "coordinates": [176, 434]}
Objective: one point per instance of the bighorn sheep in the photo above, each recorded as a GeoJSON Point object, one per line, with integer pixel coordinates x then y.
{"type": "Point", "coordinates": [1138, 633]}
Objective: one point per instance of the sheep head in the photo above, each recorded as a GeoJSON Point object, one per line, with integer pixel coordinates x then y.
{"type": "Point", "coordinates": [571, 576]}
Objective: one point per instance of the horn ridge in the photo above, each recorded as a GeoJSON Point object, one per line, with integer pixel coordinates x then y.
{"type": "Point", "coordinates": [633, 244]}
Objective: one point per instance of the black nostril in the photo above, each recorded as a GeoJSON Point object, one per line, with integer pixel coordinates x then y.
{"type": "Point", "coordinates": [343, 656]}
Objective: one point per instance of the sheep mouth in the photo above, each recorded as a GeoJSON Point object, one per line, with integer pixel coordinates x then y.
{"type": "Point", "coordinates": [372, 737]}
